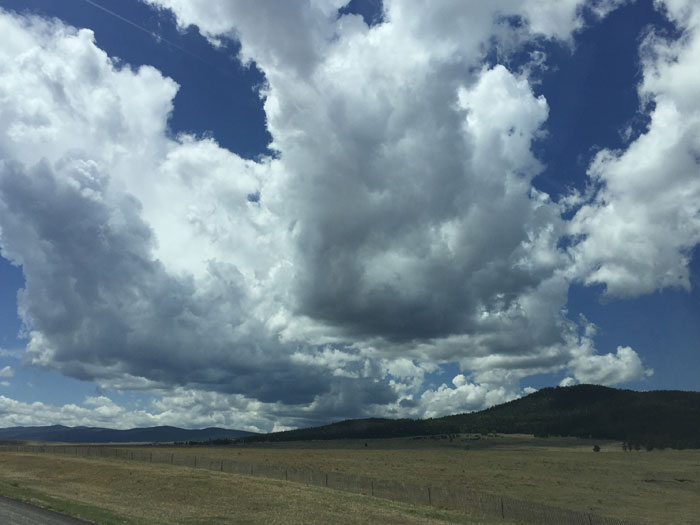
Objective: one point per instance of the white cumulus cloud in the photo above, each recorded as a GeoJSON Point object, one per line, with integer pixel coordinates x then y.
{"type": "Point", "coordinates": [395, 229]}
{"type": "Point", "coordinates": [637, 232]}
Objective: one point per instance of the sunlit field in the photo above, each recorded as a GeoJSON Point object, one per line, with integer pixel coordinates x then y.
{"type": "Point", "coordinates": [117, 492]}
{"type": "Point", "coordinates": [655, 487]}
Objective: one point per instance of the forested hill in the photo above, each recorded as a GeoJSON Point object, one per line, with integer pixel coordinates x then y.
{"type": "Point", "coordinates": [662, 418]}
{"type": "Point", "coordinates": [61, 433]}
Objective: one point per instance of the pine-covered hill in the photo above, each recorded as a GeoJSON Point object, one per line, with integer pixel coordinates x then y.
{"type": "Point", "coordinates": [663, 418]}
{"type": "Point", "coordinates": [660, 418]}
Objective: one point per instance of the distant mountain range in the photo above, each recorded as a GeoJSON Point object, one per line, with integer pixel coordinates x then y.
{"type": "Point", "coordinates": [60, 433]}
{"type": "Point", "coordinates": [657, 419]}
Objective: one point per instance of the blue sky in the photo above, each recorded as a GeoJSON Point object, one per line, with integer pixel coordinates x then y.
{"type": "Point", "coordinates": [298, 213]}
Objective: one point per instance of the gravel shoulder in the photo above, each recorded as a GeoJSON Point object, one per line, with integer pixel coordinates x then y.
{"type": "Point", "coordinates": [13, 512]}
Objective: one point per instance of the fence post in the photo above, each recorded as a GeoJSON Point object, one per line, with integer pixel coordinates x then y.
{"type": "Point", "coordinates": [503, 515]}
{"type": "Point", "coordinates": [430, 497]}
{"type": "Point", "coordinates": [326, 479]}
{"type": "Point", "coordinates": [372, 486]}
{"type": "Point", "coordinates": [172, 458]}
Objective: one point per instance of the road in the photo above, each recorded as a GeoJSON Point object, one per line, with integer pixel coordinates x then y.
{"type": "Point", "coordinates": [14, 512]}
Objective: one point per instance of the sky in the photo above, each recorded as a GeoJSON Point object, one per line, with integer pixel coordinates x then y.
{"type": "Point", "coordinates": [270, 215]}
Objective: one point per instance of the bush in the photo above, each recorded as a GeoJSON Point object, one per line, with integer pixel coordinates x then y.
{"type": "Point", "coordinates": [596, 448]}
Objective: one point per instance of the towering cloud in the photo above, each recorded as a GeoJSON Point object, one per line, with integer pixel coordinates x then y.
{"type": "Point", "coordinates": [395, 229]}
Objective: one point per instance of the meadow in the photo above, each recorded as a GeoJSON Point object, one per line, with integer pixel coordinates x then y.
{"type": "Point", "coordinates": [661, 486]}
{"type": "Point", "coordinates": [110, 492]}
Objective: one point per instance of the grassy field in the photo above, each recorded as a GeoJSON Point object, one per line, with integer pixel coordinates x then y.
{"type": "Point", "coordinates": [118, 492]}
{"type": "Point", "coordinates": [652, 487]}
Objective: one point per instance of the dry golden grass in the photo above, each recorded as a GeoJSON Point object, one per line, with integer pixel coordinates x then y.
{"type": "Point", "coordinates": [114, 491]}
{"type": "Point", "coordinates": [654, 487]}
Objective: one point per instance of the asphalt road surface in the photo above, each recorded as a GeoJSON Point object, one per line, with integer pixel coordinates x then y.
{"type": "Point", "coordinates": [17, 513]}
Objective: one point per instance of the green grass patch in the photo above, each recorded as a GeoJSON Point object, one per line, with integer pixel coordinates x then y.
{"type": "Point", "coordinates": [14, 490]}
